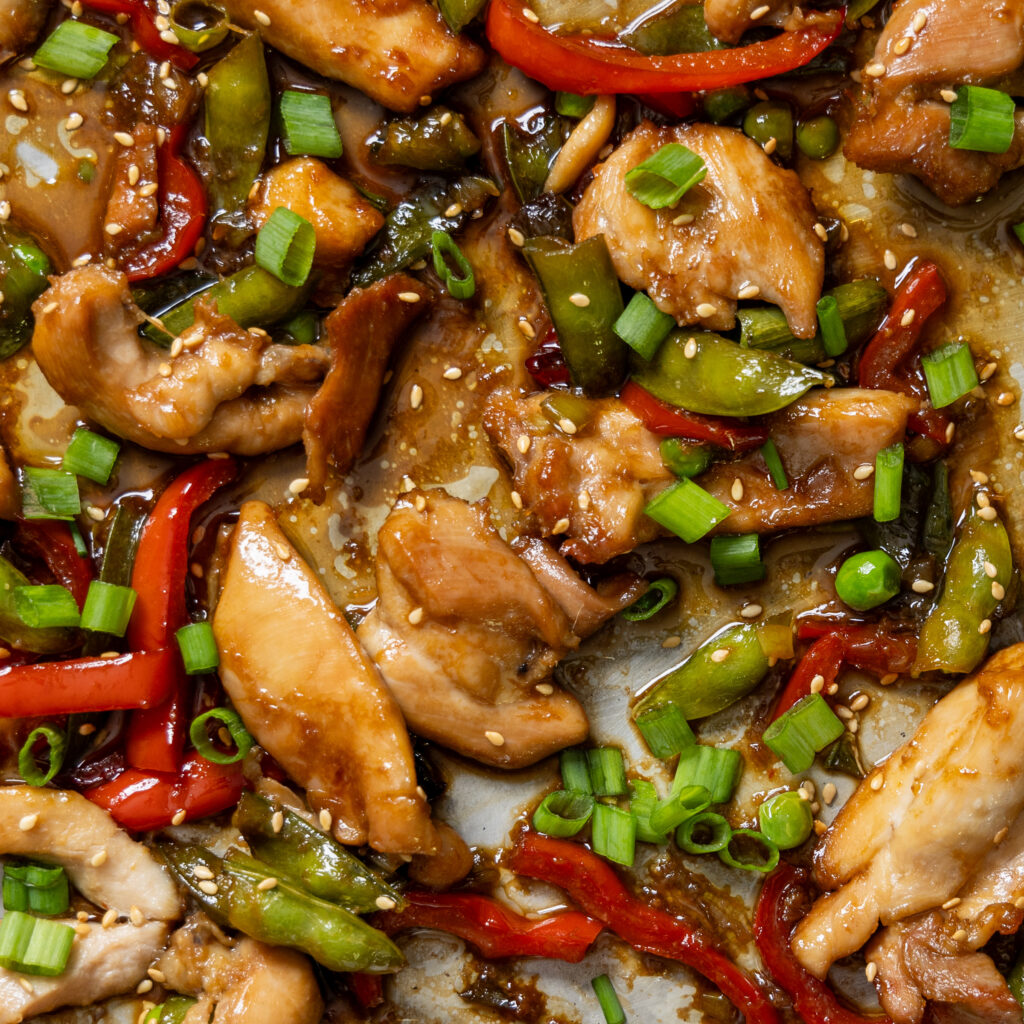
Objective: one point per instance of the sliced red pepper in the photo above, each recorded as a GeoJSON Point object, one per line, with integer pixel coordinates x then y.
{"type": "Point", "coordinates": [668, 421]}
{"type": "Point", "coordinates": [51, 540]}
{"type": "Point", "coordinates": [144, 29]}
{"type": "Point", "coordinates": [182, 213]}
{"type": "Point", "coordinates": [583, 64]}
{"type": "Point", "coordinates": [493, 929]}
{"type": "Point", "coordinates": [593, 885]}
{"type": "Point", "coordinates": [547, 365]}
{"type": "Point", "coordinates": [678, 105]}
{"type": "Point", "coordinates": [141, 801]}
{"type": "Point", "coordinates": [155, 737]}
{"type": "Point", "coordinates": [367, 989]}
{"type": "Point", "coordinates": [140, 680]}
{"type": "Point", "coordinates": [825, 658]}
{"type": "Point", "coordinates": [783, 901]}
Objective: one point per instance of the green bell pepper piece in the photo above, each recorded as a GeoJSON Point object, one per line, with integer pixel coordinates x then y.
{"type": "Point", "coordinates": [439, 141]}
{"type": "Point", "coordinates": [23, 270]}
{"type": "Point", "coordinates": [14, 632]}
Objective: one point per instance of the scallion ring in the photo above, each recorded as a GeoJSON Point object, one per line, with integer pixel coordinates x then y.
{"type": "Point", "coordinates": [664, 178]}
{"type": "Point", "coordinates": [285, 247]}
{"type": "Point", "coordinates": [229, 719]}
{"type": "Point", "coordinates": [704, 833]}
{"type": "Point", "coordinates": [666, 730]}
{"type": "Point", "coordinates": [56, 748]}
{"type": "Point", "coordinates": [199, 26]}
{"type": "Point", "coordinates": [460, 282]}
{"type": "Point", "coordinates": [563, 813]}
{"type": "Point", "coordinates": [660, 593]}
{"type": "Point", "coordinates": [749, 851]}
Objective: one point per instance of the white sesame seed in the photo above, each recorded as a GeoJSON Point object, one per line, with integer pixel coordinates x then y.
{"type": "Point", "coordinates": [446, 118]}
{"type": "Point", "coordinates": [454, 210]}
{"type": "Point", "coordinates": [750, 291]}
{"type": "Point", "coordinates": [415, 616]}
{"type": "Point", "coordinates": [919, 21]}
{"type": "Point", "coordinates": [81, 261]}
{"type": "Point", "coordinates": [26, 985]}
{"type": "Point", "coordinates": [922, 586]}
{"type": "Point", "coordinates": [870, 970]}
{"type": "Point", "coordinates": [68, 86]}
{"type": "Point", "coordinates": [889, 259]}
{"type": "Point", "coordinates": [751, 611]}
{"type": "Point", "coordinates": [298, 485]}
{"type": "Point", "coordinates": [690, 348]}
{"type": "Point", "coordinates": [948, 95]}
{"type": "Point", "coordinates": [17, 100]}
{"type": "Point", "coordinates": [991, 571]}
{"type": "Point", "coordinates": [526, 329]}
{"type": "Point", "coordinates": [124, 138]}
{"type": "Point", "coordinates": [909, 230]}
{"type": "Point", "coordinates": [998, 590]}
{"type": "Point", "coordinates": [820, 231]}
{"type": "Point", "coordinates": [408, 297]}
{"type": "Point", "coordinates": [860, 702]}
{"type": "Point", "coordinates": [209, 887]}
{"type": "Point", "coordinates": [988, 513]}
{"type": "Point", "coordinates": [415, 396]}
{"type": "Point", "coordinates": [325, 819]}
{"type": "Point", "coordinates": [385, 903]}
{"type": "Point", "coordinates": [759, 12]}
{"type": "Point", "coordinates": [720, 655]}
{"type": "Point", "coordinates": [165, 369]}
{"type": "Point", "coordinates": [579, 299]}
{"type": "Point", "coordinates": [986, 372]}
{"type": "Point", "coordinates": [671, 641]}
{"type": "Point", "coordinates": [828, 792]}
{"type": "Point", "coordinates": [202, 871]}
{"type": "Point", "coordinates": [86, 729]}
{"type": "Point", "coordinates": [561, 526]}
{"type": "Point", "coordinates": [567, 426]}
{"type": "Point", "coordinates": [844, 712]}
{"type": "Point", "coordinates": [452, 373]}
{"type": "Point", "coordinates": [1019, 433]}
{"type": "Point", "coordinates": [950, 432]}
{"type": "Point", "coordinates": [874, 70]}
{"type": "Point", "coordinates": [545, 689]}
{"type": "Point", "coordinates": [959, 935]}
{"type": "Point", "coordinates": [261, 17]}
{"type": "Point", "coordinates": [98, 859]}
{"type": "Point", "coordinates": [28, 822]}
{"type": "Point", "coordinates": [1005, 398]}
{"type": "Point", "coordinates": [523, 443]}
{"type": "Point", "coordinates": [888, 679]}
{"type": "Point", "coordinates": [516, 237]}
{"type": "Point", "coordinates": [169, 37]}
{"type": "Point", "coordinates": [144, 986]}
{"type": "Point", "coordinates": [902, 45]}
{"type": "Point", "coordinates": [705, 309]}
{"type": "Point", "coordinates": [5, 214]}
{"type": "Point", "coordinates": [494, 738]}
{"type": "Point", "coordinates": [516, 498]}
{"type": "Point", "coordinates": [149, 189]}
{"type": "Point", "coordinates": [818, 684]}
{"type": "Point", "coordinates": [530, 15]}
{"type": "Point", "coordinates": [112, 228]}
{"type": "Point", "coordinates": [951, 903]}
{"type": "Point", "coordinates": [863, 471]}
{"type": "Point", "coordinates": [979, 477]}
{"type": "Point", "coordinates": [736, 491]}
{"type": "Point", "coordinates": [419, 503]}
{"type": "Point", "coordinates": [50, 307]}
{"type": "Point", "coordinates": [73, 120]}
{"type": "Point", "coordinates": [771, 145]}
{"type": "Point", "coordinates": [157, 975]}
{"type": "Point", "coordinates": [985, 626]}
{"type": "Point", "coordinates": [583, 500]}
{"type": "Point", "coordinates": [136, 917]}
{"type": "Point", "coordinates": [109, 919]}
{"type": "Point", "coordinates": [908, 318]}
{"type": "Point", "coordinates": [277, 821]}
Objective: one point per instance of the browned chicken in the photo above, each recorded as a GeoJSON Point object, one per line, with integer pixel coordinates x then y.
{"type": "Point", "coordinates": [134, 209]}
{"type": "Point", "coordinates": [929, 47]}
{"type": "Point", "coordinates": [729, 19]}
{"type": "Point", "coordinates": [467, 637]}
{"type": "Point", "coordinates": [311, 696]}
{"type": "Point", "coordinates": [227, 389]}
{"type": "Point", "coordinates": [393, 50]}
{"type": "Point", "coordinates": [917, 828]}
{"type": "Point", "coordinates": [10, 492]}
{"type": "Point", "coordinates": [747, 230]}
{"type": "Point", "coordinates": [20, 22]}
{"type": "Point", "coordinates": [590, 486]}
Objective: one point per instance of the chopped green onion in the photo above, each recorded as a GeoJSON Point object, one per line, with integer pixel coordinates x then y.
{"type": "Point", "coordinates": [309, 126]}
{"type": "Point", "coordinates": [107, 608]}
{"type": "Point", "coordinates": [610, 1005]}
{"type": "Point", "coordinates": [981, 119]}
{"type": "Point", "coordinates": [76, 535]}
{"type": "Point", "coordinates": [685, 458]}
{"type": "Point", "coordinates": [56, 748]}
{"type": "Point", "coordinates": [642, 326]}
{"type": "Point", "coordinates": [607, 771]}
{"type": "Point", "coordinates": [461, 282]}
{"type": "Point", "coordinates": [888, 483]}
{"type": "Point", "coordinates": [36, 888]}
{"type": "Point", "coordinates": [799, 733]}
{"type": "Point", "coordinates": [75, 50]}
{"type": "Point", "coordinates": [15, 932]}
{"type": "Point", "coordinates": [642, 802]}
{"type": "Point", "coordinates": [285, 247]}
{"type": "Point", "coordinates": [563, 813]}
{"type": "Point", "coordinates": [44, 606]}
{"type": "Point", "coordinates": [171, 1011]}
{"type": "Point", "coordinates": [786, 819]}
{"type": "Point", "coordinates": [717, 769]}
{"type": "Point", "coordinates": [750, 851]}
{"type": "Point", "coordinates": [569, 104]}
{"type": "Point", "coordinates": [704, 833]}
{"type": "Point", "coordinates": [663, 179]}
{"type": "Point", "coordinates": [49, 494]}
{"type": "Point", "coordinates": [31, 945]}
{"type": "Point", "coordinates": [950, 373]}
{"type": "Point", "coordinates": [198, 648]}
{"type": "Point", "coordinates": [1018, 230]}
{"type": "Point", "coordinates": [575, 773]}
{"type": "Point", "coordinates": [613, 834]}
{"type": "Point", "coordinates": [646, 606]}
{"type": "Point", "coordinates": [91, 455]}
{"type": "Point", "coordinates": [737, 559]}
{"type": "Point", "coordinates": [830, 324]}
{"type": "Point", "coordinates": [687, 510]}
{"type": "Point", "coordinates": [773, 461]}
{"type": "Point", "coordinates": [199, 26]}
{"type": "Point", "coordinates": [678, 806]}
{"type": "Point", "coordinates": [867, 579]}
{"type": "Point", "coordinates": [238, 733]}
{"type": "Point", "coordinates": [666, 730]}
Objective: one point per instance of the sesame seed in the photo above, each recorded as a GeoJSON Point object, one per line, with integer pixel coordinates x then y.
{"type": "Point", "coordinates": [165, 369]}
{"type": "Point", "coordinates": [203, 79]}
{"type": "Point", "coordinates": [950, 432]}
{"type": "Point", "coordinates": [844, 712]}
{"type": "Point", "coordinates": [385, 903]}
{"type": "Point", "coordinates": [863, 471]}
{"type": "Point", "coordinates": [325, 819]}
{"type": "Point", "coordinates": [583, 500]}
{"type": "Point", "coordinates": [415, 396]}
{"type": "Point", "coordinates": [86, 729]}
{"type": "Point", "coordinates": [948, 95]}
{"type": "Point", "coordinates": [720, 655]}
{"type": "Point", "coordinates": [454, 210]}
{"type": "Point", "coordinates": [951, 903]}
{"type": "Point", "coordinates": [852, 725]}
{"type": "Point", "coordinates": [671, 641]}
{"type": "Point", "coordinates": [82, 929]}
{"type": "Point", "coordinates": [262, 17]}
{"type": "Point", "coordinates": [820, 231]}
{"type": "Point", "coordinates": [561, 526]}
{"type": "Point", "coordinates": [567, 426]}
{"type": "Point", "coordinates": [109, 919]}
{"type": "Point", "coordinates": [870, 970]}
{"type": "Point", "coordinates": [908, 318]}
{"type": "Point", "coordinates": [202, 871]}
{"type": "Point", "coordinates": [17, 100]}
{"type": "Point", "coordinates": [494, 738]}
{"type": "Point", "coordinates": [1005, 398]}
{"type": "Point", "coordinates": [26, 985]}
{"type": "Point", "coordinates": [683, 218]}
{"type": "Point", "coordinates": [5, 214]}
{"type": "Point", "coordinates": [523, 443]}
{"type": "Point", "coordinates": [751, 611]}
{"type": "Point", "coordinates": [690, 348]}
{"type": "Point", "coordinates": [820, 828]}
{"type": "Point", "coordinates": [446, 118]}
{"type": "Point", "coordinates": [545, 689]}
{"type": "Point", "coordinates": [526, 329]}
{"type": "Point", "coordinates": [267, 883]}
{"type": "Point", "coordinates": [408, 297]}
{"type": "Point", "coordinates": [169, 37]}
{"type": "Point", "coordinates": [818, 684]}
{"type": "Point", "coordinates": [298, 485]}
{"type": "Point", "coordinates": [419, 502]}
{"type": "Point", "coordinates": [516, 237]}
{"type": "Point", "coordinates": [978, 477]}
{"type": "Point", "coordinates": [426, 99]}
{"type": "Point", "coordinates": [984, 626]}
{"type": "Point", "coordinates": [107, 655]}
{"type": "Point", "coordinates": [530, 15]}
{"type": "Point", "coordinates": [888, 679]}
{"type": "Point", "coordinates": [991, 571]}
{"type": "Point", "coordinates": [149, 189]}
{"type": "Point", "coordinates": [144, 986]}
{"type": "Point", "coordinates": [986, 372]}
{"type": "Point", "coordinates": [136, 917]}
{"type": "Point", "coordinates": [889, 259]}
{"type": "Point", "coordinates": [874, 70]}
{"type": "Point", "coordinates": [81, 261]}
{"type": "Point", "coordinates": [919, 21]}
{"type": "Point", "coordinates": [902, 45]}
{"type": "Point", "coordinates": [750, 291]}
{"type": "Point", "coordinates": [73, 120]}
{"type": "Point", "coordinates": [415, 616]}
{"type": "Point", "coordinates": [98, 859]}
{"type": "Point", "coordinates": [209, 887]}
{"type": "Point", "coordinates": [771, 145]}
{"type": "Point", "coordinates": [1019, 433]}
{"type": "Point", "coordinates": [177, 347]}
{"type": "Point", "coordinates": [988, 513]}
{"type": "Point", "coordinates": [68, 86]}
{"type": "Point", "coordinates": [124, 138]}
{"type": "Point", "coordinates": [452, 373]}
{"type": "Point", "coordinates": [828, 792]}
{"type": "Point", "coordinates": [705, 309]}
{"type": "Point", "coordinates": [737, 490]}
{"type": "Point", "coordinates": [759, 12]}
{"type": "Point", "coordinates": [877, 782]}
{"type": "Point", "coordinates": [112, 228]}
{"type": "Point", "coordinates": [922, 586]}
{"type": "Point", "coordinates": [517, 499]}
{"type": "Point", "coordinates": [277, 821]}
{"type": "Point", "coordinates": [157, 975]}
{"type": "Point", "coordinates": [998, 591]}
{"type": "Point", "coordinates": [28, 822]}
{"type": "Point", "coordinates": [860, 702]}
{"type": "Point", "coordinates": [959, 935]}
{"type": "Point", "coordinates": [579, 299]}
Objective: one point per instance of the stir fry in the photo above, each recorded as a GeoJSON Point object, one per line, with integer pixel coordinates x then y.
{"type": "Point", "coordinates": [511, 511]}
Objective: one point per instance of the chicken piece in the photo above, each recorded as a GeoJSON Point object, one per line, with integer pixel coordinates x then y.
{"type": "Point", "coordinates": [71, 831]}
{"type": "Point", "coordinates": [752, 230]}
{"type": "Point", "coordinates": [228, 390]}
{"type": "Point", "coordinates": [20, 22]}
{"type": "Point", "coordinates": [132, 207]}
{"type": "Point", "coordinates": [821, 438]}
{"type": "Point", "coordinates": [106, 962]}
{"type": "Point", "coordinates": [908, 842]}
{"type": "Point", "coordinates": [928, 46]}
{"type": "Point", "coordinates": [241, 982]}
{"type": "Point", "coordinates": [319, 707]}
{"type": "Point", "coordinates": [10, 492]}
{"type": "Point", "coordinates": [464, 632]}
{"type": "Point", "coordinates": [729, 19]}
{"type": "Point", "coordinates": [393, 50]}
{"type": "Point", "coordinates": [613, 459]}
{"type": "Point", "coordinates": [119, 1010]}
{"type": "Point", "coordinates": [361, 334]}
{"type": "Point", "coordinates": [342, 219]}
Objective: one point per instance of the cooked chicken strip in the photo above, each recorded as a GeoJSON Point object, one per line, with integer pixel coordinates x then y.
{"type": "Point", "coordinates": [909, 842]}
{"type": "Point", "coordinates": [119, 1010]}
{"type": "Point", "coordinates": [10, 492]}
{"type": "Point", "coordinates": [752, 230]}
{"type": "Point", "coordinates": [105, 962]}
{"type": "Point", "coordinates": [73, 832]}
{"type": "Point", "coordinates": [463, 633]}
{"type": "Point", "coordinates": [87, 345]}
{"type": "Point", "coordinates": [393, 50]}
{"type": "Point", "coordinates": [20, 22]}
{"type": "Point", "coordinates": [311, 696]}
{"type": "Point", "coordinates": [729, 19]}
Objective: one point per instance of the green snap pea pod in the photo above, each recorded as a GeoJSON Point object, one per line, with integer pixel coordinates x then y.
{"type": "Point", "coordinates": [237, 123]}
{"type": "Point", "coordinates": [14, 632]}
{"type": "Point", "coordinates": [311, 857]}
{"type": "Point", "coordinates": [954, 637]}
{"type": "Point", "coordinates": [439, 141]}
{"type": "Point", "coordinates": [707, 682]}
{"type": "Point", "coordinates": [409, 227]}
{"type": "Point", "coordinates": [584, 299]}
{"type": "Point", "coordinates": [722, 378]}
{"type": "Point", "coordinates": [459, 13]}
{"type": "Point", "coordinates": [529, 153]}
{"type": "Point", "coordinates": [23, 270]}
{"type": "Point", "coordinates": [937, 533]}
{"type": "Point", "coordinates": [861, 308]}
{"type": "Point", "coordinates": [679, 28]}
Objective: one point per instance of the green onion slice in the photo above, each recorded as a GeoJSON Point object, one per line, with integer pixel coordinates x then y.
{"type": "Point", "coordinates": [36, 888]}
{"type": "Point", "coordinates": [171, 1011]}
{"type": "Point", "coordinates": [888, 483]}
{"type": "Point", "coordinates": [666, 730]}
{"type": "Point", "coordinates": [687, 510]}
{"type": "Point", "coordinates": [91, 455]}
{"type": "Point", "coordinates": [609, 1001]}
{"type": "Point", "coordinates": [704, 833]}
{"type": "Point", "coordinates": [613, 834]}
{"type": "Point", "coordinates": [285, 247]}
{"type": "Point", "coordinates": [750, 851]}
{"type": "Point", "coordinates": [309, 126]}
{"type": "Point", "coordinates": [49, 494]}
{"type": "Point", "coordinates": [15, 931]}
{"type": "Point", "coordinates": [685, 458]}
{"type": "Point", "coordinates": [799, 733]}
{"type": "Point", "coordinates": [776, 470]}
{"type": "Point", "coordinates": [950, 373]}
{"type": "Point", "coordinates": [460, 282]}
{"type": "Point", "coordinates": [575, 773]}
{"type": "Point", "coordinates": [678, 806]}
{"type": "Point", "coordinates": [663, 179]}
{"type": "Point", "coordinates": [660, 593]}
{"type": "Point", "coordinates": [717, 769]}
{"type": "Point", "coordinates": [737, 559]}
{"type": "Point", "coordinates": [642, 801]}
{"type": "Point", "coordinates": [44, 606]}
{"type": "Point", "coordinates": [642, 326]}
{"type": "Point", "coordinates": [76, 535]}
{"type": "Point", "coordinates": [607, 771]}
{"type": "Point", "coordinates": [107, 608]}
{"type": "Point", "coordinates": [833, 331]}
{"type": "Point", "coordinates": [199, 26]}
{"type": "Point", "coordinates": [786, 819]}
{"type": "Point", "coordinates": [31, 945]}
{"type": "Point", "coordinates": [75, 49]}
{"type": "Point", "coordinates": [981, 119]}
{"type": "Point", "coordinates": [228, 719]}
{"type": "Point", "coordinates": [563, 813]}
{"type": "Point", "coordinates": [53, 758]}
{"type": "Point", "coordinates": [198, 647]}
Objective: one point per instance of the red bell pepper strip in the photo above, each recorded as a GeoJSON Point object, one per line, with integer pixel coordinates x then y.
{"type": "Point", "coordinates": [494, 930]}
{"type": "Point", "coordinates": [141, 801]}
{"type": "Point", "coordinates": [182, 213]}
{"type": "Point", "coordinates": [583, 64]}
{"type": "Point", "coordinates": [51, 540]}
{"type": "Point", "coordinates": [140, 680]}
{"type": "Point", "coordinates": [155, 737]}
{"type": "Point", "coordinates": [668, 421]}
{"type": "Point", "coordinates": [678, 105]}
{"type": "Point", "coordinates": [783, 901]}
{"type": "Point", "coordinates": [367, 989]}
{"type": "Point", "coordinates": [921, 292]}
{"type": "Point", "coordinates": [144, 29]}
{"type": "Point", "coordinates": [594, 886]}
